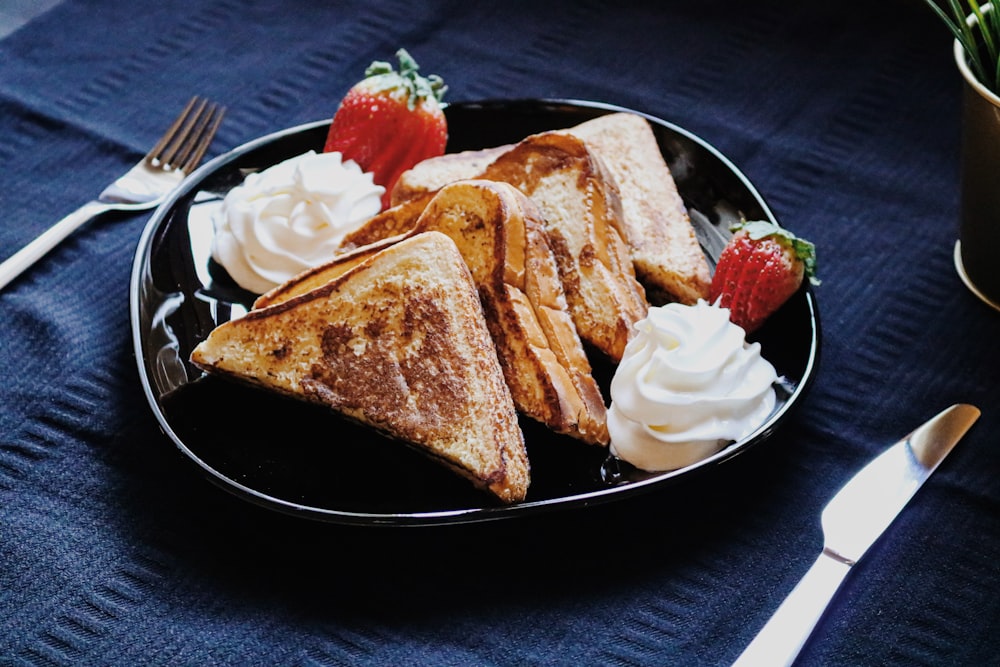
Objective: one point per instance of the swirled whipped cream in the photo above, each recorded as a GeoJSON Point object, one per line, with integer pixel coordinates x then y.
{"type": "Point", "coordinates": [687, 385]}
{"type": "Point", "coordinates": [291, 217]}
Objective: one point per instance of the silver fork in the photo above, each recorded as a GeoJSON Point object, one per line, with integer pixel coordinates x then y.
{"type": "Point", "coordinates": [143, 186]}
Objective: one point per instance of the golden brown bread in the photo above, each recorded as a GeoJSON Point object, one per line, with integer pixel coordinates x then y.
{"type": "Point", "coordinates": [583, 218]}
{"type": "Point", "coordinates": [583, 223]}
{"type": "Point", "coordinates": [447, 168]}
{"type": "Point", "coordinates": [392, 221]}
{"type": "Point", "coordinates": [666, 255]}
{"type": "Point", "coordinates": [398, 342]}
{"type": "Point", "coordinates": [499, 232]}
{"type": "Point", "coordinates": [318, 276]}
{"type": "Point", "coordinates": [665, 251]}
{"type": "Point", "coordinates": [432, 174]}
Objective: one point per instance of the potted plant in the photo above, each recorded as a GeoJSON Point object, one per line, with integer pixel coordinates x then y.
{"type": "Point", "coordinates": [976, 29]}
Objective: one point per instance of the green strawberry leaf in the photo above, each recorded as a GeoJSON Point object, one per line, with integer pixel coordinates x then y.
{"type": "Point", "coordinates": [804, 250]}
{"type": "Point", "coordinates": [407, 79]}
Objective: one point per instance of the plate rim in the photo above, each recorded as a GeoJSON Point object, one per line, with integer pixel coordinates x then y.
{"type": "Point", "coordinates": [469, 514]}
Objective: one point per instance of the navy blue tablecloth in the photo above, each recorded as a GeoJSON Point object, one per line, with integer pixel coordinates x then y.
{"type": "Point", "coordinates": [846, 118]}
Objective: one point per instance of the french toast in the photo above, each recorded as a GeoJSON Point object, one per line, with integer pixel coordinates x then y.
{"type": "Point", "coordinates": [440, 171]}
{"type": "Point", "coordinates": [320, 275]}
{"type": "Point", "coordinates": [666, 254]}
{"type": "Point", "coordinates": [582, 211]}
{"type": "Point", "coordinates": [398, 342]}
{"type": "Point", "coordinates": [667, 258]}
{"type": "Point", "coordinates": [432, 174]}
{"type": "Point", "coordinates": [389, 222]}
{"type": "Point", "coordinates": [499, 233]}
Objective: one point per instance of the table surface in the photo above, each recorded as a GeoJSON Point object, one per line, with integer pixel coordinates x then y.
{"type": "Point", "coordinates": [845, 116]}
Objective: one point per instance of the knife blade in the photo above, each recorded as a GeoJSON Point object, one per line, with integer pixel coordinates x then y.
{"type": "Point", "coordinates": [852, 521]}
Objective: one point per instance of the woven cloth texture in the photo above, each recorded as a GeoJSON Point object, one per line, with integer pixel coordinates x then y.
{"type": "Point", "coordinates": [845, 116]}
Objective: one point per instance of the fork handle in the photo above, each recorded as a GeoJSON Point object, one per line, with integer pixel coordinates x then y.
{"type": "Point", "coordinates": [784, 635]}
{"type": "Point", "coordinates": [17, 263]}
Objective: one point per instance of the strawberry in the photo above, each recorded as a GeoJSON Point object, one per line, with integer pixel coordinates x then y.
{"type": "Point", "coordinates": [762, 267]}
{"type": "Point", "coordinates": [389, 121]}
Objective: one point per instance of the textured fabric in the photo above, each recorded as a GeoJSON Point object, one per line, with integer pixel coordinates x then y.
{"type": "Point", "coordinates": [845, 117]}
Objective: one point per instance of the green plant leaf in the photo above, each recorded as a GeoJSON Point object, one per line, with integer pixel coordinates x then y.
{"type": "Point", "coordinates": [980, 40]}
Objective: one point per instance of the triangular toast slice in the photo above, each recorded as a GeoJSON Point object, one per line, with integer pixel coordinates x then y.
{"type": "Point", "coordinates": [499, 232]}
{"type": "Point", "coordinates": [665, 252]}
{"type": "Point", "coordinates": [583, 223]}
{"type": "Point", "coordinates": [398, 342]}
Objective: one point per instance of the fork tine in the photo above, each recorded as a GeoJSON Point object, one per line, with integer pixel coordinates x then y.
{"type": "Point", "coordinates": [156, 152]}
{"type": "Point", "coordinates": [184, 143]}
{"type": "Point", "coordinates": [207, 133]}
{"type": "Point", "coordinates": [178, 140]}
{"type": "Point", "coordinates": [192, 129]}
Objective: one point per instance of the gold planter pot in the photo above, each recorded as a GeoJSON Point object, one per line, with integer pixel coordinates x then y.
{"type": "Point", "coordinates": [977, 252]}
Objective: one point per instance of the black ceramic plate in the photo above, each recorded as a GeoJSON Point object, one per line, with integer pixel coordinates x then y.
{"type": "Point", "coordinates": [300, 459]}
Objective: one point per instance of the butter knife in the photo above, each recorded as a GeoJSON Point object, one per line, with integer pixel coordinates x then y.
{"type": "Point", "coordinates": [852, 521]}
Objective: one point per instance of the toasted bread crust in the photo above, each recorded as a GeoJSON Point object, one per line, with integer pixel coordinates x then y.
{"type": "Point", "coordinates": [392, 221]}
{"type": "Point", "coordinates": [583, 222]}
{"type": "Point", "coordinates": [398, 342]}
{"type": "Point", "coordinates": [318, 276]}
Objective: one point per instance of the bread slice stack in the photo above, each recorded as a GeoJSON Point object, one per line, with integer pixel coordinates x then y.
{"type": "Point", "coordinates": [668, 259]}
{"type": "Point", "coordinates": [665, 253]}
{"type": "Point", "coordinates": [498, 231]}
{"type": "Point", "coordinates": [583, 221]}
{"type": "Point", "coordinates": [397, 341]}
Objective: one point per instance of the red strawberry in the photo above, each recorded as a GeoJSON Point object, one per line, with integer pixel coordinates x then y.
{"type": "Point", "coordinates": [762, 267]}
{"type": "Point", "coordinates": [390, 120]}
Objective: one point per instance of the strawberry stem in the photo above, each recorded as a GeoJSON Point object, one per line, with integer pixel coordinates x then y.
{"type": "Point", "coordinates": [804, 250]}
{"type": "Point", "coordinates": [417, 87]}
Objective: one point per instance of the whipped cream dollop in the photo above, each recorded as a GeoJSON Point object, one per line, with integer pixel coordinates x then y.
{"type": "Point", "coordinates": [688, 384]}
{"type": "Point", "coordinates": [291, 217]}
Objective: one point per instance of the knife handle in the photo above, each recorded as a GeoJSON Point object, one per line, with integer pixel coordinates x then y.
{"type": "Point", "coordinates": [784, 635]}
